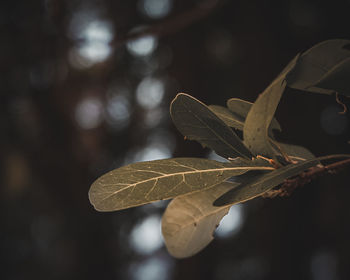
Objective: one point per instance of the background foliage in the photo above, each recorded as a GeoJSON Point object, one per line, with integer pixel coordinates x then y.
{"type": "Point", "coordinates": [72, 108]}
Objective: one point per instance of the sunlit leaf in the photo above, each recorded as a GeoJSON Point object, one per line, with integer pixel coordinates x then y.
{"type": "Point", "coordinates": [256, 127]}
{"type": "Point", "coordinates": [258, 121]}
{"type": "Point", "coordinates": [197, 122]}
{"type": "Point", "coordinates": [258, 185]}
{"type": "Point", "coordinates": [320, 68]}
{"type": "Point", "coordinates": [190, 220]}
{"type": "Point", "coordinates": [146, 182]}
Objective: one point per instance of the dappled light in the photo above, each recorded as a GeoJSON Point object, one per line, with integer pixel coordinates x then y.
{"type": "Point", "coordinates": [118, 112]}
{"type": "Point", "coordinates": [154, 268]}
{"type": "Point", "coordinates": [92, 36]}
{"type": "Point", "coordinates": [150, 92]}
{"type": "Point", "coordinates": [231, 223]}
{"type": "Point", "coordinates": [145, 237]}
{"type": "Point", "coordinates": [143, 46]}
{"type": "Point", "coordinates": [89, 90]}
{"type": "Point", "coordinates": [153, 152]}
{"type": "Point", "coordinates": [155, 9]}
{"type": "Point", "coordinates": [89, 113]}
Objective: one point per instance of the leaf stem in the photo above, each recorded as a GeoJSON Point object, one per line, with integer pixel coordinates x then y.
{"type": "Point", "coordinates": [302, 179]}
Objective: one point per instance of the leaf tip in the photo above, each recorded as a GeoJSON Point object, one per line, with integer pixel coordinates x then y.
{"type": "Point", "coordinates": [219, 202]}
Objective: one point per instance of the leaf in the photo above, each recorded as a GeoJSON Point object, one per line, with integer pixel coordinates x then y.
{"type": "Point", "coordinates": [239, 108]}
{"type": "Point", "coordinates": [295, 152]}
{"type": "Point", "coordinates": [258, 121]}
{"type": "Point", "coordinates": [337, 79]}
{"type": "Point", "coordinates": [236, 119]}
{"type": "Point", "coordinates": [256, 127]}
{"type": "Point", "coordinates": [190, 220]}
{"type": "Point", "coordinates": [265, 182]}
{"type": "Point", "coordinates": [317, 63]}
{"type": "Point", "coordinates": [197, 122]}
{"type": "Point", "coordinates": [145, 182]}
{"type": "Point", "coordinates": [227, 117]}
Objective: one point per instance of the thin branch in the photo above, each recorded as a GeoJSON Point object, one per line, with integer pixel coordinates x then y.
{"type": "Point", "coordinates": [345, 109]}
{"type": "Point", "coordinates": [302, 179]}
{"type": "Point", "coordinates": [172, 24]}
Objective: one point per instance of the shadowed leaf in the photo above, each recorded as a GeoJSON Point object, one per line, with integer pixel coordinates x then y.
{"type": "Point", "coordinates": [262, 183]}
{"type": "Point", "coordinates": [337, 79]}
{"type": "Point", "coordinates": [197, 122]}
{"type": "Point", "coordinates": [146, 182]}
{"type": "Point", "coordinates": [227, 117]}
{"type": "Point", "coordinates": [320, 68]}
{"type": "Point", "coordinates": [239, 108]}
{"type": "Point", "coordinates": [236, 119]}
{"type": "Point", "coordinates": [190, 220]}
{"type": "Point", "coordinates": [297, 153]}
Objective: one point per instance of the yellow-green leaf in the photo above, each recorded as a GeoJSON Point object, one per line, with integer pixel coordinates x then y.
{"type": "Point", "coordinates": [258, 121]}
{"type": "Point", "coordinates": [256, 127]}
{"type": "Point", "coordinates": [190, 220]}
{"type": "Point", "coordinates": [146, 182]}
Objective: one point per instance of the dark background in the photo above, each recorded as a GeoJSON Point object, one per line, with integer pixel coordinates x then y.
{"type": "Point", "coordinates": [76, 102]}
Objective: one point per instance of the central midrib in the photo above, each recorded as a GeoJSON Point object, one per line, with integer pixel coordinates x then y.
{"type": "Point", "coordinates": [219, 136]}
{"type": "Point", "coordinates": [193, 172]}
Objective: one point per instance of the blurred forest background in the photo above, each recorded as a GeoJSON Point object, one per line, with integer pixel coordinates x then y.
{"type": "Point", "coordinates": [86, 87]}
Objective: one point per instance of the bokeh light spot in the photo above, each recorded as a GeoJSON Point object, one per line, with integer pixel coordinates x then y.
{"type": "Point", "coordinates": [89, 113]}
{"type": "Point", "coordinates": [332, 122]}
{"type": "Point", "coordinates": [153, 152]}
{"type": "Point", "coordinates": [142, 46]}
{"type": "Point", "coordinates": [92, 37]}
{"type": "Point", "coordinates": [154, 268]}
{"type": "Point", "coordinates": [156, 9]}
{"type": "Point", "coordinates": [324, 266]}
{"type": "Point", "coordinates": [146, 236]}
{"type": "Point", "coordinates": [231, 223]}
{"type": "Point", "coordinates": [118, 112]}
{"type": "Point", "coordinates": [150, 92]}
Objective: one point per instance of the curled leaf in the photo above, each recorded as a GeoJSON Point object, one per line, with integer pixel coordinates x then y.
{"type": "Point", "coordinates": [190, 220]}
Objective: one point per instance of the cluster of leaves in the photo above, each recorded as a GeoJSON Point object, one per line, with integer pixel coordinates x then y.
{"type": "Point", "coordinates": [203, 189]}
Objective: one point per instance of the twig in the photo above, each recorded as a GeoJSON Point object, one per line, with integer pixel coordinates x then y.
{"type": "Point", "coordinates": [172, 24]}
{"type": "Point", "coordinates": [302, 179]}
{"type": "Point", "coordinates": [345, 109]}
